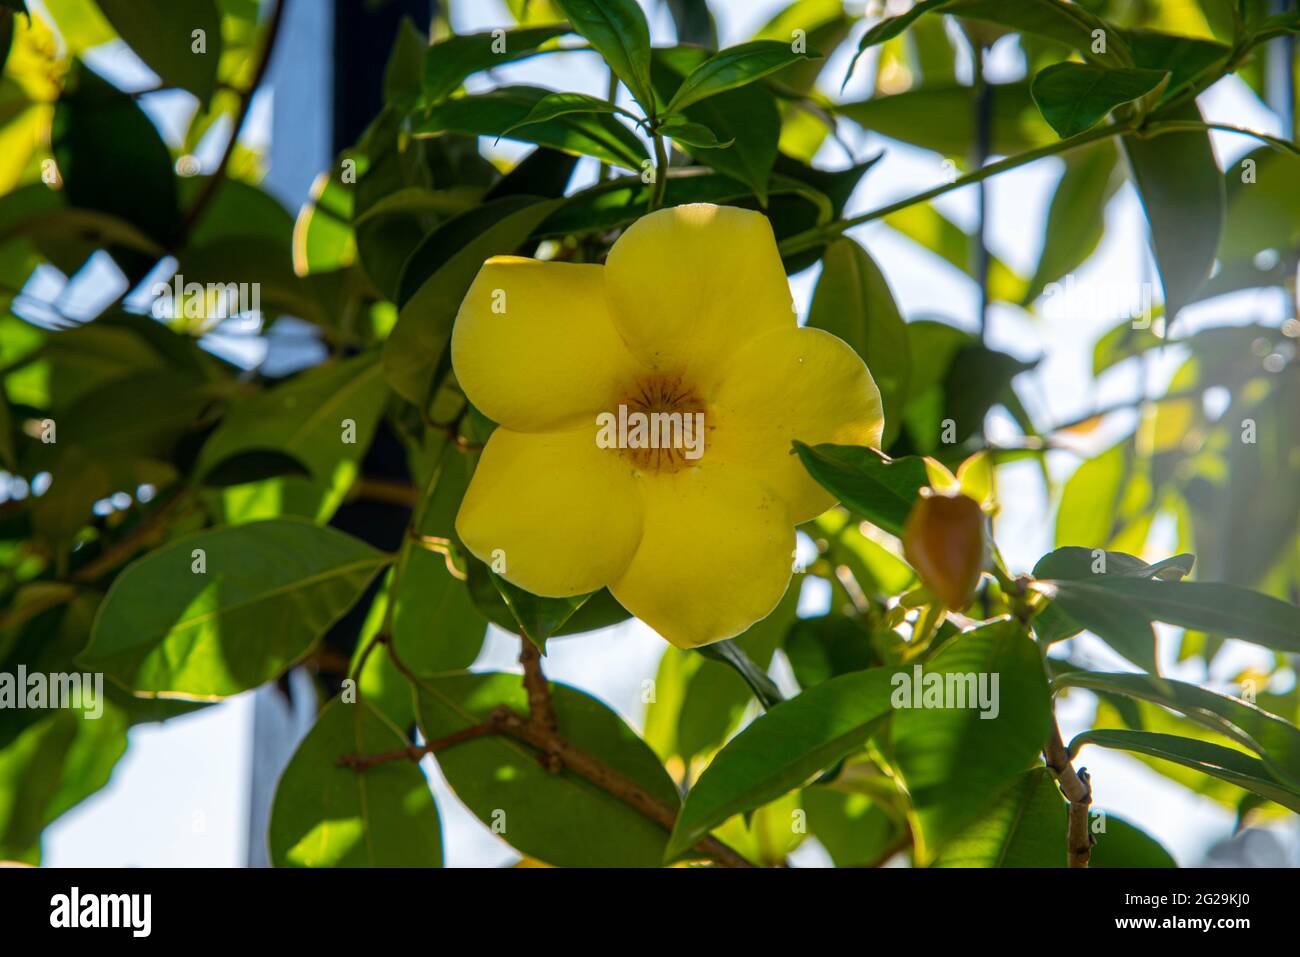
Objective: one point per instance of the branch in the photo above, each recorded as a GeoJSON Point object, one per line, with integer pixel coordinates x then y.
{"type": "Point", "coordinates": [214, 181]}
{"type": "Point", "coordinates": [139, 537]}
{"type": "Point", "coordinates": [541, 710]}
{"type": "Point", "coordinates": [811, 238]}
{"type": "Point", "coordinates": [1077, 789]}
{"type": "Point", "coordinates": [538, 731]}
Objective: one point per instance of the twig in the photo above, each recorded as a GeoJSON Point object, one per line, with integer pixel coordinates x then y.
{"type": "Point", "coordinates": [1077, 789]}
{"type": "Point", "coordinates": [214, 181]}
{"type": "Point", "coordinates": [556, 753]}
{"type": "Point", "coordinates": [540, 708]}
{"type": "Point", "coordinates": [139, 537]}
{"type": "Point", "coordinates": [416, 752]}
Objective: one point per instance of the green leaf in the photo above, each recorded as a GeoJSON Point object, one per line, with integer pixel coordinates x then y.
{"type": "Point", "coordinates": [699, 702]}
{"type": "Point", "coordinates": [734, 67]}
{"type": "Point", "coordinates": [266, 594]}
{"type": "Point", "coordinates": [164, 34]}
{"type": "Point", "coordinates": [255, 465]}
{"type": "Point", "coordinates": [448, 63]}
{"type": "Point", "coordinates": [51, 766]}
{"type": "Point", "coordinates": [326, 815]}
{"type": "Point", "coordinates": [734, 657]}
{"type": "Point", "coordinates": [1276, 741]}
{"type": "Point", "coordinates": [1121, 844]}
{"type": "Point", "coordinates": [856, 830]}
{"type": "Point", "coordinates": [436, 278]}
{"type": "Point", "coordinates": [880, 489]}
{"type": "Point", "coordinates": [1076, 216]}
{"type": "Point", "coordinates": [941, 118]}
{"type": "Point", "coordinates": [562, 818]}
{"type": "Point", "coordinates": [1075, 562]}
{"type": "Point", "coordinates": [555, 105]}
{"type": "Point", "coordinates": [538, 617]}
{"type": "Point", "coordinates": [888, 28]}
{"type": "Point", "coordinates": [782, 749]}
{"type": "Point", "coordinates": [1226, 764]}
{"type": "Point", "coordinates": [502, 109]}
{"type": "Point", "coordinates": [307, 418]}
{"type": "Point", "coordinates": [1112, 618]}
{"type": "Point", "coordinates": [692, 134]}
{"type": "Point", "coordinates": [1181, 188]}
{"type": "Point", "coordinates": [1060, 20]}
{"type": "Point", "coordinates": [747, 116]}
{"type": "Point", "coordinates": [938, 235]}
{"type": "Point", "coordinates": [1025, 827]}
{"type": "Point", "coordinates": [853, 301]}
{"type": "Point", "coordinates": [113, 161]}
{"type": "Point", "coordinates": [827, 646]}
{"type": "Point", "coordinates": [1075, 97]}
{"type": "Point", "coordinates": [1091, 499]}
{"type": "Point", "coordinates": [620, 34]}
{"type": "Point", "coordinates": [932, 744]}
{"type": "Point", "coordinates": [1227, 610]}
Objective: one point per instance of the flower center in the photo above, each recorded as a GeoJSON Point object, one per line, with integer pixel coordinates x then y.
{"type": "Point", "coordinates": [658, 424]}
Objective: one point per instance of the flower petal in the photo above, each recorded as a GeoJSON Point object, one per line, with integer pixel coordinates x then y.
{"type": "Point", "coordinates": [799, 383]}
{"type": "Point", "coordinates": [533, 346]}
{"type": "Point", "coordinates": [563, 514]}
{"type": "Point", "coordinates": [715, 556]}
{"type": "Point", "coordinates": [687, 284]}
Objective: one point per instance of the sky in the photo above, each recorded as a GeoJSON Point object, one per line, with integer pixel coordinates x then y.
{"type": "Point", "coordinates": [179, 796]}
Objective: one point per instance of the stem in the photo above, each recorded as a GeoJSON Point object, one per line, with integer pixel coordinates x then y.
{"type": "Point", "coordinates": [1077, 789]}
{"type": "Point", "coordinates": [661, 172]}
{"type": "Point", "coordinates": [811, 238]}
{"type": "Point", "coordinates": [245, 103]}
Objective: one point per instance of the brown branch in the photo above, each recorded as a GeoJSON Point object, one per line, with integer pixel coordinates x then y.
{"type": "Point", "coordinates": [540, 709]}
{"type": "Point", "coordinates": [556, 753]}
{"type": "Point", "coordinates": [387, 491]}
{"type": "Point", "coordinates": [214, 181]}
{"type": "Point", "coordinates": [415, 752]}
{"type": "Point", "coordinates": [607, 779]}
{"type": "Point", "coordinates": [1077, 789]}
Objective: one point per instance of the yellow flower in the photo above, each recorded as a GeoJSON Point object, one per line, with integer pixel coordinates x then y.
{"type": "Point", "coordinates": [691, 314]}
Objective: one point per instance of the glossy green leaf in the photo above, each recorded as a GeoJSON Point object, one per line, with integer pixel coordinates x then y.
{"type": "Point", "coordinates": [1075, 97]}
{"type": "Point", "coordinates": [180, 41]}
{"type": "Point", "coordinates": [1275, 740]}
{"type": "Point", "coordinates": [1226, 764]}
{"type": "Point", "coordinates": [112, 159]}
{"type": "Point", "coordinates": [1113, 618]}
{"type": "Point", "coordinates": [699, 702]}
{"type": "Point", "coordinates": [554, 105]}
{"type": "Point", "coordinates": [692, 134]}
{"type": "Point", "coordinates": [1061, 20]}
{"type": "Point", "coordinates": [826, 646]}
{"type": "Point", "coordinates": [620, 34]}
{"type": "Point", "coordinates": [1121, 844]}
{"type": "Point", "coordinates": [266, 593]}
{"type": "Point", "coordinates": [324, 417]}
{"type": "Point", "coordinates": [853, 301]}
{"type": "Point", "coordinates": [932, 744]}
{"type": "Point", "coordinates": [1025, 827]}
{"type": "Point", "coordinates": [504, 108]}
{"type": "Point", "coordinates": [1223, 609]}
{"type": "Point", "coordinates": [325, 815]}
{"type": "Point", "coordinates": [1181, 188]}
{"type": "Point", "coordinates": [448, 63]}
{"type": "Point", "coordinates": [941, 118]}
{"type": "Point", "coordinates": [865, 481]}
{"type": "Point", "coordinates": [734, 67]}
{"type": "Point", "coordinates": [1076, 216]}
{"type": "Point", "coordinates": [890, 27]}
{"type": "Point", "coordinates": [537, 617]}
{"type": "Point", "coordinates": [782, 749]}
{"type": "Point", "coordinates": [561, 819]}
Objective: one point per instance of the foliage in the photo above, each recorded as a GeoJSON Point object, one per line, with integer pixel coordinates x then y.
{"type": "Point", "coordinates": [175, 519]}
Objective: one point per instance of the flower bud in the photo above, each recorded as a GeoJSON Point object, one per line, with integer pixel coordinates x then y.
{"type": "Point", "coordinates": [944, 541]}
